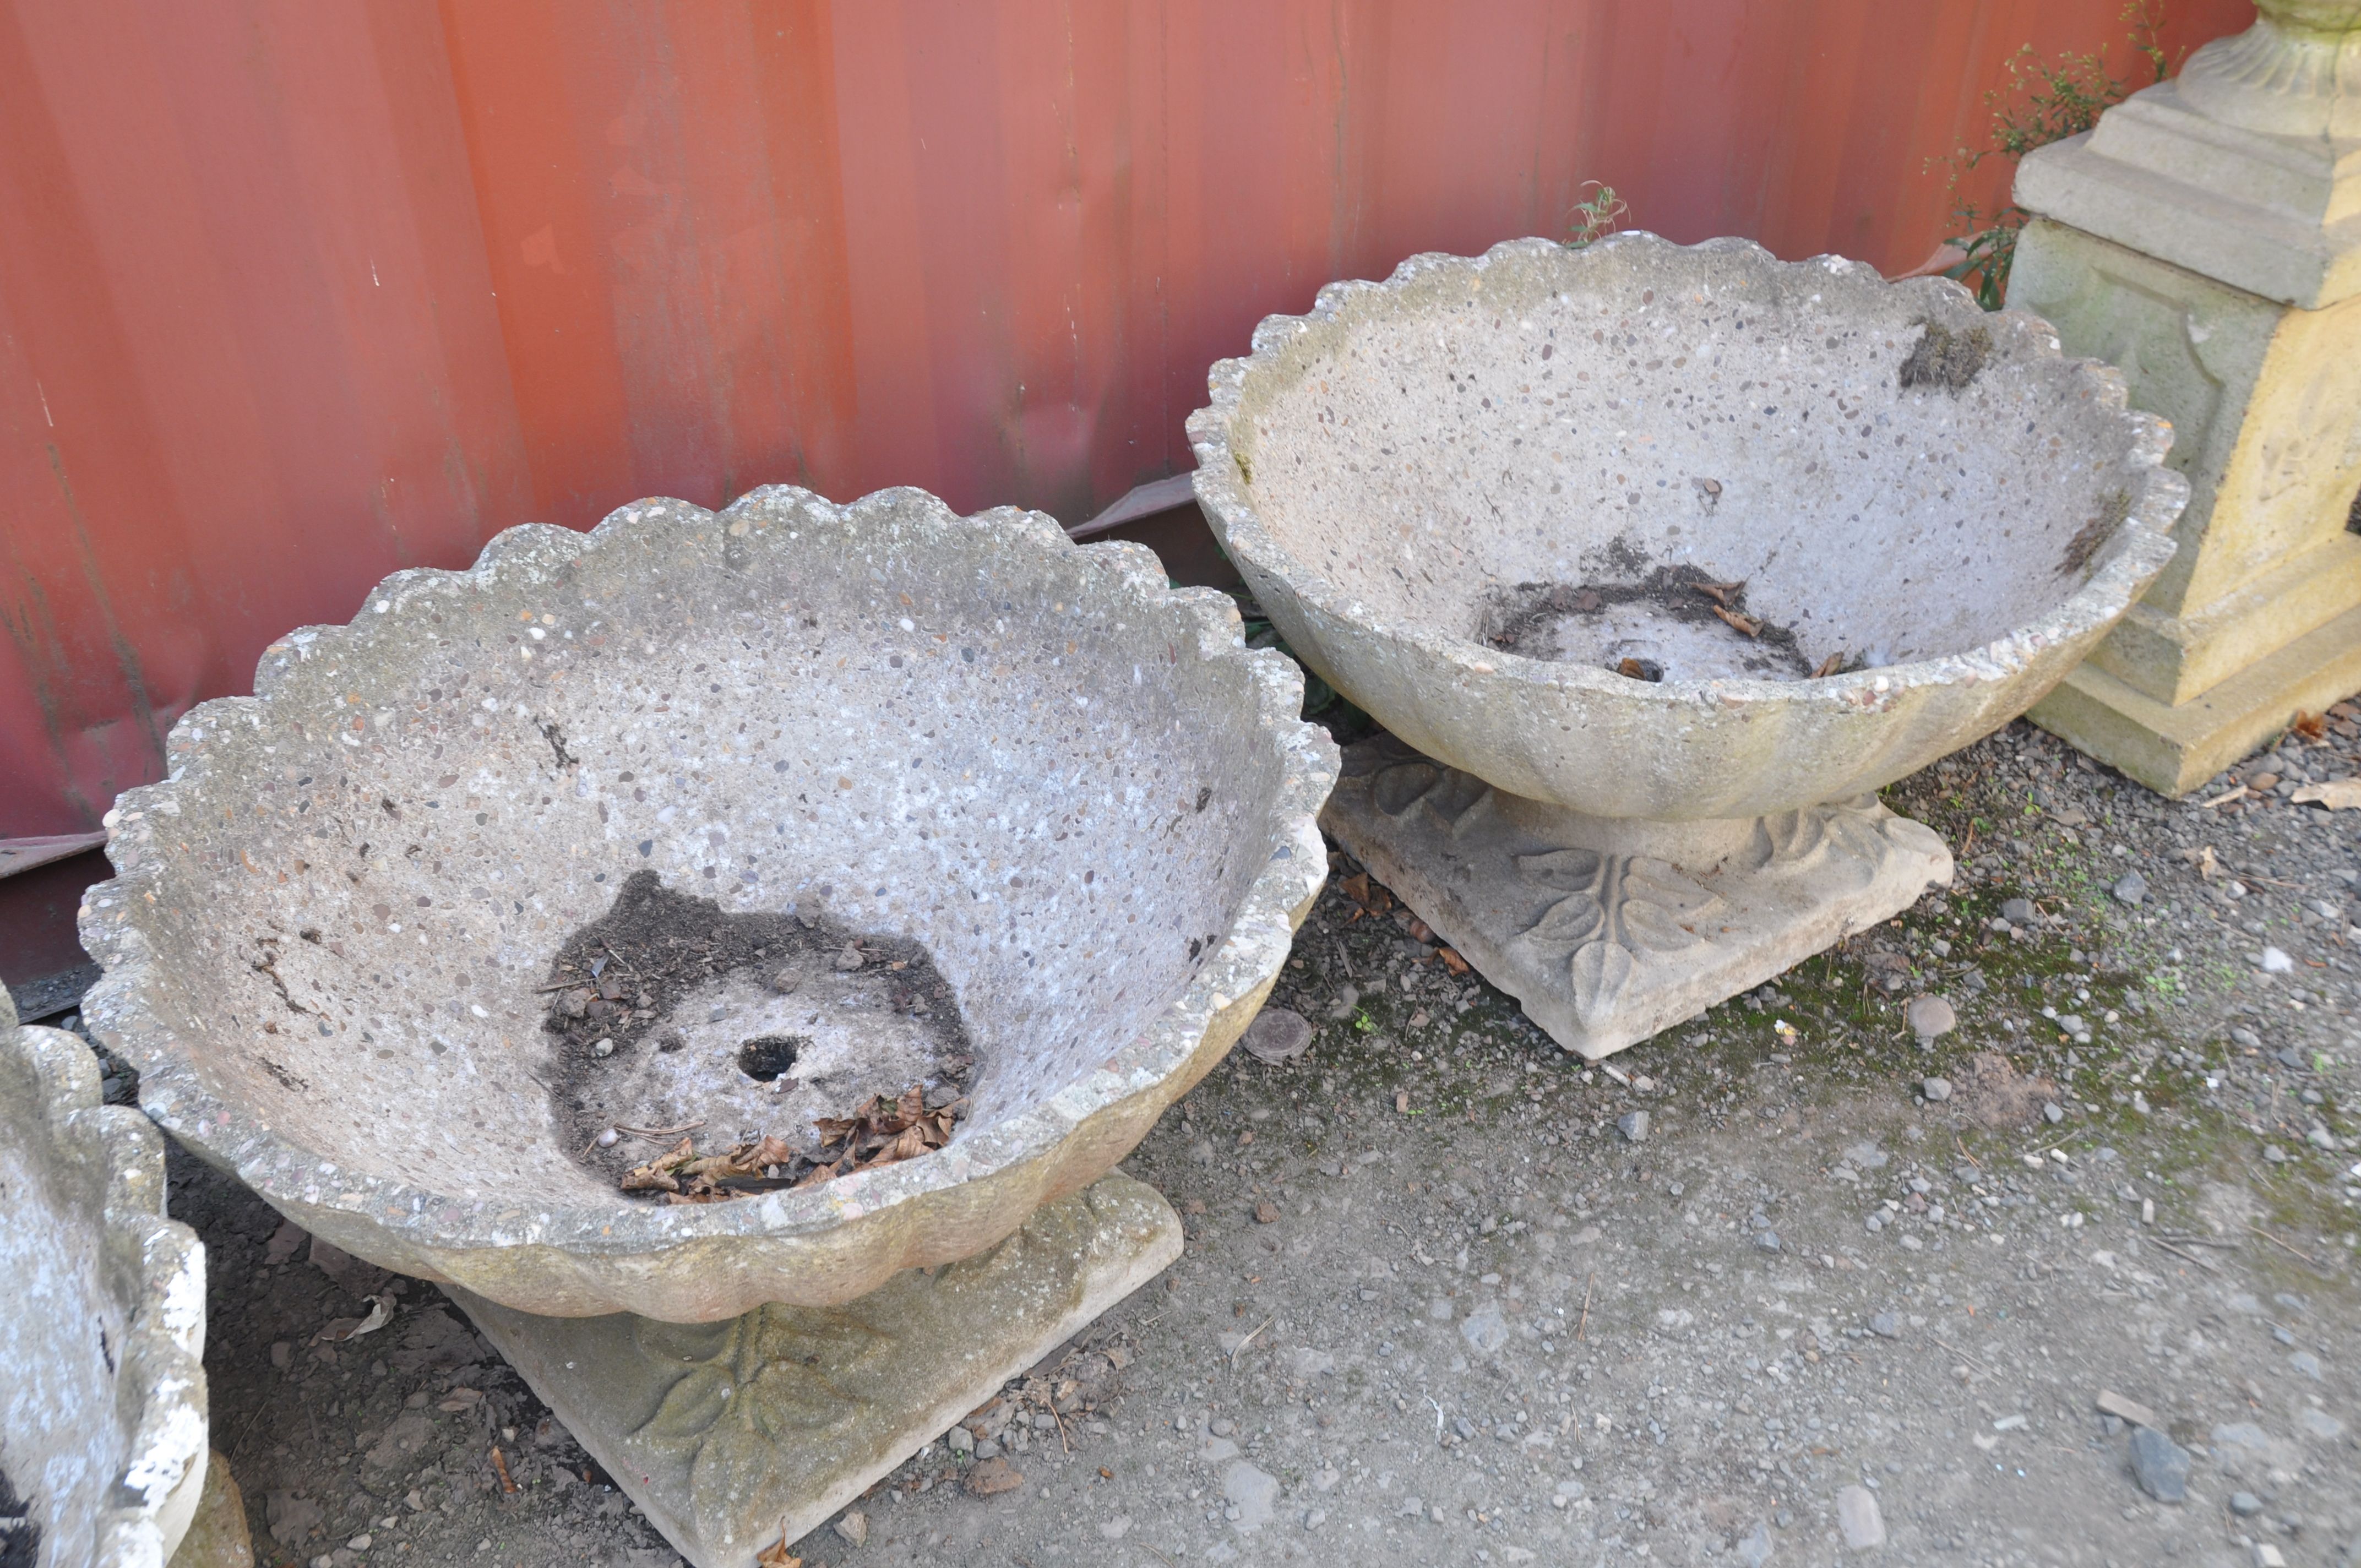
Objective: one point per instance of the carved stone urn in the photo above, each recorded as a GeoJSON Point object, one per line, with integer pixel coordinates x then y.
{"type": "Point", "coordinates": [708, 828]}
{"type": "Point", "coordinates": [1657, 563]}
{"type": "Point", "coordinates": [102, 1454]}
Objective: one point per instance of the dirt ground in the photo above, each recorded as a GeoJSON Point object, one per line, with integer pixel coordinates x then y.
{"type": "Point", "coordinates": [1491, 1326]}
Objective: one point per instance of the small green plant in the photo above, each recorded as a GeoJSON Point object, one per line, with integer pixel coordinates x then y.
{"type": "Point", "coordinates": [2044, 102]}
{"type": "Point", "coordinates": [1596, 217]}
{"type": "Point", "coordinates": [1362, 1023]}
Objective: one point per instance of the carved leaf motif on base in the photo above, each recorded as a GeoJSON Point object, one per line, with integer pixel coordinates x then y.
{"type": "Point", "coordinates": [1850, 839]}
{"type": "Point", "coordinates": [774, 1378]}
{"type": "Point", "coordinates": [1454, 798]}
{"type": "Point", "coordinates": [1613, 911]}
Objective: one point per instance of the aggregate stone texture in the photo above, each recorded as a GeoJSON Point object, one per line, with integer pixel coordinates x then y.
{"type": "Point", "coordinates": [1606, 936]}
{"type": "Point", "coordinates": [1930, 499]}
{"type": "Point", "coordinates": [1072, 785]}
{"type": "Point", "coordinates": [733, 1436]}
{"type": "Point", "coordinates": [102, 1318]}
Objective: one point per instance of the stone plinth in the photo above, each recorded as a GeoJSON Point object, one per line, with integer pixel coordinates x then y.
{"type": "Point", "coordinates": [2206, 238]}
{"type": "Point", "coordinates": [729, 1434]}
{"type": "Point", "coordinates": [1609, 931]}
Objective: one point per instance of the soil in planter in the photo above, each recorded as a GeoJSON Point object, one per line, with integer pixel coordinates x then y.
{"type": "Point", "coordinates": [1676, 621]}
{"type": "Point", "coordinates": [672, 1020]}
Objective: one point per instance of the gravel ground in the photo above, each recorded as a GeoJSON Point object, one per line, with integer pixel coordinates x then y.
{"type": "Point", "coordinates": [1446, 1300]}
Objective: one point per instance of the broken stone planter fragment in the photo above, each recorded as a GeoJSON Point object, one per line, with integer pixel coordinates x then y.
{"type": "Point", "coordinates": [330, 944]}
{"type": "Point", "coordinates": [1657, 562]}
{"type": "Point", "coordinates": [102, 1321]}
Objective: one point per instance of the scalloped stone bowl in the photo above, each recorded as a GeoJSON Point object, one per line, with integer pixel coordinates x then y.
{"type": "Point", "coordinates": [102, 1379]}
{"type": "Point", "coordinates": [1926, 494]}
{"type": "Point", "coordinates": [327, 945]}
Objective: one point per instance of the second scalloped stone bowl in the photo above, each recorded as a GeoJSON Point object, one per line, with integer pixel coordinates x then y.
{"type": "Point", "coordinates": [1469, 494]}
{"type": "Point", "coordinates": [328, 946]}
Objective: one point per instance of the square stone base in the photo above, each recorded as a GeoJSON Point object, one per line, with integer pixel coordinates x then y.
{"type": "Point", "coordinates": [727, 1435]}
{"type": "Point", "coordinates": [2173, 749]}
{"type": "Point", "coordinates": [1608, 931]}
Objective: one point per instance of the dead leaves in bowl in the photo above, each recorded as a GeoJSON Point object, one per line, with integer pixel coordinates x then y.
{"type": "Point", "coordinates": [881, 1132]}
{"type": "Point", "coordinates": [1745, 623]}
{"type": "Point", "coordinates": [689, 1178]}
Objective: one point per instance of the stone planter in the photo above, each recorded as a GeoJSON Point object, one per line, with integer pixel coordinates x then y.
{"type": "Point", "coordinates": [329, 946]}
{"type": "Point", "coordinates": [1480, 500]}
{"type": "Point", "coordinates": [102, 1404]}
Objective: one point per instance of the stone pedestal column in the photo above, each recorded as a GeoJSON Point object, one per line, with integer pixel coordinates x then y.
{"type": "Point", "coordinates": [2206, 238]}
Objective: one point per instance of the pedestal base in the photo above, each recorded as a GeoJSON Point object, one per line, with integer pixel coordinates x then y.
{"type": "Point", "coordinates": [727, 1435]}
{"type": "Point", "coordinates": [2173, 749]}
{"type": "Point", "coordinates": [1607, 930]}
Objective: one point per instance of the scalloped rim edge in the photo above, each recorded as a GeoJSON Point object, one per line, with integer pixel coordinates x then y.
{"type": "Point", "coordinates": [166, 1449]}
{"type": "Point", "coordinates": [1248, 957]}
{"type": "Point", "coordinates": [2139, 547]}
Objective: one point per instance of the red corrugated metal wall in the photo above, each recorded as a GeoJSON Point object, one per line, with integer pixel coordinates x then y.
{"type": "Point", "coordinates": [296, 292]}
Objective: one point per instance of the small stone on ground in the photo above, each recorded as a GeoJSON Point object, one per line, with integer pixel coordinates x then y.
{"type": "Point", "coordinates": [1931, 1017]}
{"type": "Point", "coordinates": [1253, 1492]}
{"type": "Point", "coordinates": [1858, 1517]}
{"type": "Point", "coordinates": [2159, 1465]}
{"type": "Point", "coordinates": [1276, 1035]}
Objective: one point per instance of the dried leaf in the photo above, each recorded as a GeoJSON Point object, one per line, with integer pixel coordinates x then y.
{"type": "Point", "coordinates": [1451, 960]}
{"type": "Point", "coordinates": [1832, 666]}
{"type": "Point", "coordinates": [1718, 592]}
{"type": "Point", "coordinates": [460, 1399]}
{"type": "Point", "coordinates": [777, 1555]}
{"type": "Point", "coordinates": [1745, 623]}
{"type": "Point", "coordinates": [878, 1133]}
{"type": "Point", "coordinates": [2337, 795]}
{"type": "Point", "coordinates": [2313, 727]}
{"type": "Point", "coordinates": [380, 1313]}
{"type": "Point", "coordinates": [656, 1175]}
{"type": "Point", "coordinates": [1368, 897]}
{"type": "Point", "coordinates": [994, 1475]}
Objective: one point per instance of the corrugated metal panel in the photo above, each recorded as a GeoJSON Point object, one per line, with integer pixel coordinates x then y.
{"type": "Point", "coordinates": [295, 292]}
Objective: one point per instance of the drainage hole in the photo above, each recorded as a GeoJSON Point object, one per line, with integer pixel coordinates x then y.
{"type": "Point", "coordinates": [765, 1057]}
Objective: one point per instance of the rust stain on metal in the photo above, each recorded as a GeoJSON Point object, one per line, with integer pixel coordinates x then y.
{"type": "Point", "coordinates": [301, 295]}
